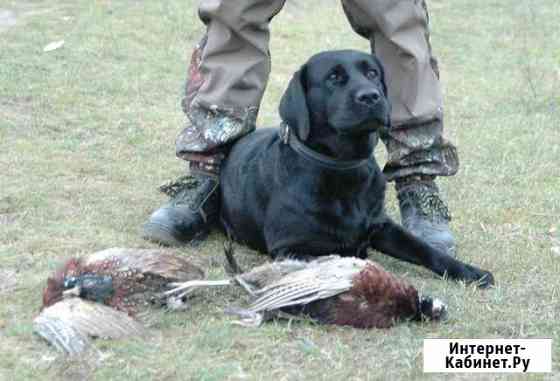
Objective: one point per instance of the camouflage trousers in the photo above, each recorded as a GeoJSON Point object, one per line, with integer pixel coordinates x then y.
{"type": "Point", "coordinates": [230, 67]}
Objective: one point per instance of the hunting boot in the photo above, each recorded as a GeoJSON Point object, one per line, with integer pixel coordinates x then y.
{"type": "Point", "coordinates": [189, 214]}
{"type": "Point", "coordinates": [424, 213]}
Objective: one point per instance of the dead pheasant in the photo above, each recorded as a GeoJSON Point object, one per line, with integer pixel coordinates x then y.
{"type": "Point", "coordinates": [105, 289]}
{"type": "Point", "coordinates": [333, 290]}
{"type": "Point", "coordinates": [121, 278]}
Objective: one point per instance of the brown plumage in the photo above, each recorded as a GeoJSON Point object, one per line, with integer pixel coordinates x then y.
{"type": "Point", "coordinates": [337, 290]}
{"type": "Point", "coordinates": [121, 278]}
{"type": "Point", "coordinates": [333, 290]}
{"type": "Point", "coordinates": [376, 299]}
{"type": "Point", "coordinates": [98, 295]}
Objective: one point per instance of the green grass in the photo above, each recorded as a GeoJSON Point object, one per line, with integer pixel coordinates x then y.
{"type": "Point", "coordinates": [87, 133]}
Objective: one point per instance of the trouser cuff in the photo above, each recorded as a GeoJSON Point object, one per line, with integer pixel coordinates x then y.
{"type": "Point", "coordinates": [419, 149]}
{"type": "Point", "coordinates": [211, 130]}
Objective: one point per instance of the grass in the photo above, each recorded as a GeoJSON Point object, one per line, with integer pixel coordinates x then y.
{"type": "Point", "coordinates": [87, 133]}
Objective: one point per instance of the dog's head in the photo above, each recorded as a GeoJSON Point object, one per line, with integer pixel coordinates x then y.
{"type": "Point", "coordinates": [336, 95]}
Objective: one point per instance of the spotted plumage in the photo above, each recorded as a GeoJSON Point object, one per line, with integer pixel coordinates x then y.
{"type": "Point", "coordinates": [98, 295]}
{"type": "Point", "coordinates": [120, 278]}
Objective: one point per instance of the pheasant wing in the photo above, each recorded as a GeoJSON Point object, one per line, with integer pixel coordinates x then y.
{"type": "Point", "coordinates": [320, 280]}
{"type": "Point", "coordinates": [162, 263]}
{"type": "Point", "coordinates": [299, 293]}
{"type": "Point", "coordinates": [70, 323]}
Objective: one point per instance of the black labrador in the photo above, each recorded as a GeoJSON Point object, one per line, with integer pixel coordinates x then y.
{"type": "Point", "coordinates": [313, 187]}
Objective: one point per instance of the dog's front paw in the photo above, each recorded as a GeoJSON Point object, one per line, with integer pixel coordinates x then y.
{"type": "Point", "coordinates": [482, 278]}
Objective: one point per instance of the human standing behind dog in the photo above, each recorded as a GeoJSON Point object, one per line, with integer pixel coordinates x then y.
{"type": "Point", "coordinates": [226, 81]}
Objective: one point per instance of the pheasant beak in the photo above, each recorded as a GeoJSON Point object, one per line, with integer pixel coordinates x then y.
{"type": "Point", "coordinates": [73, 292]}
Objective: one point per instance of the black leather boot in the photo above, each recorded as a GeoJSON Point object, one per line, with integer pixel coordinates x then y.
{"type": "Point", "coordinates": [424, 213]}
{"type": "Point", "coordinates": [189, 214]}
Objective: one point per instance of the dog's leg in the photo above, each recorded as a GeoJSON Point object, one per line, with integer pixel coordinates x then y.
{"type": "Point", "coordinates": [394, 240]}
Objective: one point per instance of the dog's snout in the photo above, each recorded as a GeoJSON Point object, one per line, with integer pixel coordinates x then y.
{"type": "Point", "coordinates": [368, 97]}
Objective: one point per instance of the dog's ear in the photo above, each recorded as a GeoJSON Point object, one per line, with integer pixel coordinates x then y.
{"type": "Point", "coordinates": [381, 75]}
{"type": "Point", "coordinates": [384, 86]}
{"type": "Point", "coordinates": [293, 105]}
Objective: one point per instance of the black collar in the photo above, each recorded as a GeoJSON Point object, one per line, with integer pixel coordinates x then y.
{"type": "Point", "coordinates": [288, 137]}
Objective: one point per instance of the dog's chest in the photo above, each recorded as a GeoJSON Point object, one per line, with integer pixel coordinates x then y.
{"type": "Point", "coordinates": [344, 223]}
{"type": "Point", "coordinates": [330, 217]}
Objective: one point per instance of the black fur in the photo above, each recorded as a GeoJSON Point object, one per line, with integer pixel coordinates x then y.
{"type": "Point", "coordinates": [280, 202]}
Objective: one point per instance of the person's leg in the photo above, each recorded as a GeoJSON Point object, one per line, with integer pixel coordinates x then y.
{"type": "Point", "coordinates": [225, 82]}
{"type": "Point", "coordinates": [417, 151]}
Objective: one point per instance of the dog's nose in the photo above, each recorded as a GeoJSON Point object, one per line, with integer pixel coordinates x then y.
{"type": "Point", "coordinates": [368, 97]}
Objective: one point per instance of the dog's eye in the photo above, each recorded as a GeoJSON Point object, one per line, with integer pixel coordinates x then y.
{"type": "Point", "coordinates": [336, 77]}
{"type": "Point", "coordinates": [372, 74]}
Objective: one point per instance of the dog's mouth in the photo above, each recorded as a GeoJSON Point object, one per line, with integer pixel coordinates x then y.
{"type": "Point", "coordinates": [366, 127]}
{"type": "Point", "coordinates": [358, 120]}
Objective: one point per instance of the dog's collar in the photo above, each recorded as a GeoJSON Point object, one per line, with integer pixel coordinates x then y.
{"type": "Point", "coordinates": [293, 141]}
